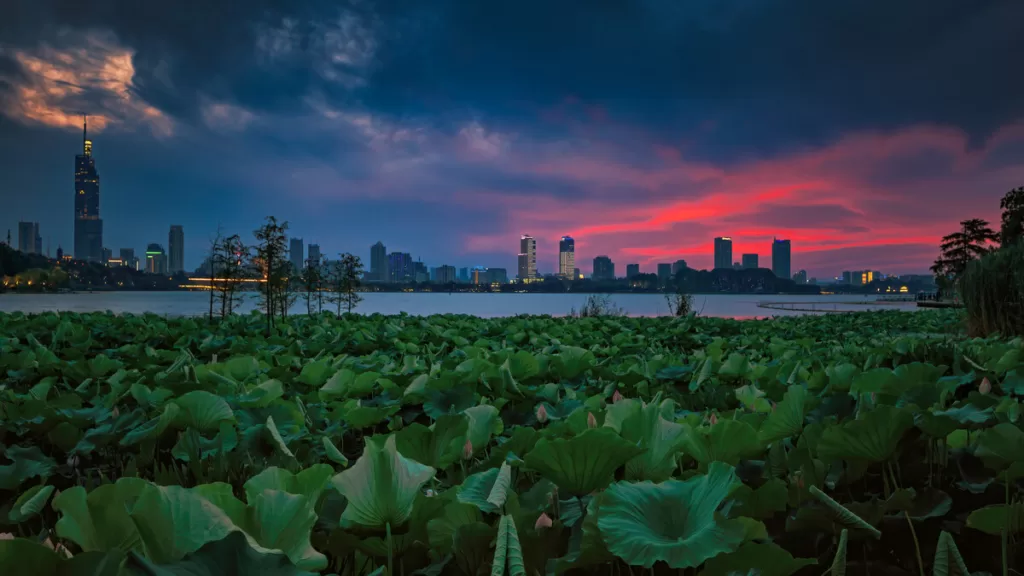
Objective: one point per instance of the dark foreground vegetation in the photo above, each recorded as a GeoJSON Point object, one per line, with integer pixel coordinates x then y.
{"type": "Point", "coordinates": [869, 443]}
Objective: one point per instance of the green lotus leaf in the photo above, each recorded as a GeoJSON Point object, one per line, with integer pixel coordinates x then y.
{"type": "Point", "coordinates": [571, 362]}
{"type": "Point", "coordinates": [30, 503]}
{"type": "Point", "coordinates": [203, 411]}
{"type": "Point", "coordinates": [523, 440]}
{"type": "Point", "coordinates": [441, 531]}
{"type": "Point", "coordinates": [173, 522]}
{"type": "Point", "coordinates": [502, 486]}
{"type": "Point", "coordinates": [276, 439]}
{"type": "Point", "coordinates": [310, 482]}
{"type": "Point", "coordinates": [582, 464]}
{"type": "Point", "coordinates": [753, 399]}
{"type": "Point", "coordinates": [347, 384]}
{"type": "Point", "coordinates": [358, 417]}
{"type": "Point", "coordinates": [842, 516]}
{"type": "Point", "coordinates": [23, 556]}
{"type": "Point", "coordinates": [484, 422]}
{"type": "Point", "coordinates": [508, 381]}
{"type": "Point", "coordinates": [262, 395]}
{"type": "Point", "coordinates": [478, 488]}
{"type": "Point", "coordinates": [839, 561]}
{"type": "Point", "coordinates": [673, 522]}
{"type": "Point", "coordinates": [242, 368]}
{"type": "Point", "coordinates": [727, 441]}
{"type": "Point", "coordinates": [231, 555]}
{"type": "Point", "coordinates": [471, 544]}
{"type": "Point", "coordinates": [26, 463]}
{"type": "Point", "coordinates": [762, 503]}
{"type": "Point", "coordinates": [788, 417]}
{"type": "Point", "coordinates": [948, 561]}
{"type": "Point", "coordinates": [588, 549]}
{"type": "Point", "coordinates": [508, 550]}
{"type": "Point", "coordinates": [766, 559]}
{"type": "Point", "coordinates": [873, 437]}
{"type": "Point", "coordinates": [438, 446]}
{"type": "Point", "coordinates": [1000, 446]}
{"type": "Point", "coordinates": [100, 520]}
{"type": "Point", "coordinates": [381, 486]}
{"type": "Point", "coordinates": [191, 443]}
{"type": "Point", "coordinates": [994, 519]}
{"type": "Point", "coordinates": [332, 452]}
{"type": "Point", "coordinates": [969, 414]}
{"type": "Point", "coordinates": [314, 373]}
{"type": "Point", "coordinates": [153, 428]}
{"type": "Point", "coordinates": [278, 520]}
{"type": "Point", "coordinates": [645, 426]}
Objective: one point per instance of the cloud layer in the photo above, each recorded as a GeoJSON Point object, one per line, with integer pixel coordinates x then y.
{"type": "Point", "coordinates": [642, 129]}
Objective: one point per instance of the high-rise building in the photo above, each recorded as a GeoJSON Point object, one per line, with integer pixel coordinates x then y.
{"type": "Point", "coordinates": [664, 273]}
{"type": "Point", "coordinates": [566, 257]}
{"type": "Point", "coordinates": [445, 274]}
{"type": "Point", "coordinates": [527, 257]}
{"type": "Point", "coordinates": [478, 275]}
{"type": "Point", "coordinates": [156, 259]}
{"type": "Point", "coordinates": [749, 261]}
{"type": "Point", "coordinates": [88, 225]}
{"type": "Point", "coordinates": [677, 266]}
{"type": "Point", "coordinates": [314, 254]}
{"type": "Point", "coordinates": [400, 266]}
{"type": "Point", "coordinates": [632, 270]}
{"type": "Point", "coordinates": [28, 237]}
{"type": "Point", "coordinates": [604, 268]}
{"type": "Point", "coordinates": [296, 254]}
{"type": "Point", "coordinates": [781, 258]}
{"type": "Point", "coordinates": [379, 263]}
{"type": "Point", "coordinates": [419, 272]}
{"type": "Point", "coordinates": [176, 249]}
{"type": "Point", "coordinates": [464, 275]}
{"type": "Point", "coordinates": [723, 252]}
{"type": "Point", "coordinates": [497, 275]}
{"type": "Point", "coordinates": [107, 255]}
{"type": "Point", "coordinates": [800, 277]}
{"type": "Point", "coordinates": [128, 258]}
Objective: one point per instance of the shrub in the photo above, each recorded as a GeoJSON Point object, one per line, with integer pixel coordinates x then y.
{"type": "Point", "coordinates": [597, 305]}
{"type": "Point", "coordinates": [993, 292]}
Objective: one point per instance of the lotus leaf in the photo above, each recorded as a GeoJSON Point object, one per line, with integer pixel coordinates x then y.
{"type": "Point", "coordinates": [582, 464]}
{"type": "Point", "coordinates": [765, 559]}
{"type": "Point", "coordinates": [872, 437]}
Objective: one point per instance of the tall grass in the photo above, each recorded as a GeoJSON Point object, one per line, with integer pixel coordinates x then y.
{"type": "Point", "coordinates": [993, 292]}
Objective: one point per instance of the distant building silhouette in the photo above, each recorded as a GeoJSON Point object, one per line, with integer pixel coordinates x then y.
{"type": "Point", "coordinates": [781, 251]}
{"type": "Point", "coordinates": [566, 257]}
{"type": "Point", "coordinates": [128, 258]}
{"type": "Point", "coordinates": [107, 255]}
{"type": "Point", "coordinates": [677, 266]}
{"type": "Point", "coordinates": [296, 253]}
{"type": "Point", "coordinates": [156, 259]}
{"type": "Point", "coordinates": [445, 274]}
{"type": "Point", "coordinates": [664, 273]}
{"type": "Point", "coordinates": [176, 247]}
{"type": "Point", "coordinates": [400, 265]}
{"type": "Point", "coordinates": [749, 261]}
{"type": "Point", "coordinates": [723, 252]}
{"type": "Point", "coordinates": [88, 225]}
{"type": "Point", "coordinates": [604, 268]}
{"type": "Point", "coordinates": [497, 275]}
{"type": "Point", "coordinates": [632, 270]}
{"type": "Point", "coordinates": [314, 254]}
{"type": "Point", "coordinates": [379, 263]}
{"type": "Point", "coordinates": [464, 274]}
{"type": "Point", "coordinates": [29, 240]}
{"type": "Point", "coordinates": [527, 257]}
{"type": "Point", "coordinates": [800, 277]}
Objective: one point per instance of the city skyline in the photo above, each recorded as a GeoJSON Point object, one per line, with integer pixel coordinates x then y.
{"type": "Point", "coordinates": [643, 145]}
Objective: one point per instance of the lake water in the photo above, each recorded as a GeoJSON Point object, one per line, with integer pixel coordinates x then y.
{"type": "Point", "coordinates": [425, 303]}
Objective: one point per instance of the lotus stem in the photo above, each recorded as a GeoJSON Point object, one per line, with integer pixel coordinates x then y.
{"type": "Point", "coordinates": [1006, 528]}
{"type": "Point", "coordinates": [387, 527]}
{"type": "Point", "coordinates": [917, 545]}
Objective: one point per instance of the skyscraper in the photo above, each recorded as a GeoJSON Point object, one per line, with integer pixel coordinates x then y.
{"type": "Point", "coordinates": [156, 259]}
{"type": "Point", "coordinates": [400, 265]}
{"type": "Point", "coordinates": [749, 261]}
{"type": "Point", "coordinates": [379, 263]}
{"type": "Point", "coordinates": [28, 237]}
{"type": "Point", "coordinates": [566, 257]}
{"type": "Point", "coordinates": [464, 274]}
{"type": "Point", "coordinates": [781, 251]}
{"type": "Point", "coordinates": [527, 257]}
{"type": "Point", "coordinates": [604, 268]}
{"type": "Point", "coordinates": [314, 254]}
{"type": "Point", "coordinates": [632, 270]}
{"type": "Point", "coordinates": [128, 258]}
{"type": "Point", "coordinates": [445, 274]}
{"type": "Point", "coordinates": [88, 226]}
{"type": "Point", "coordinates": [176, 249]}
{"type": "Point", "coordinates": [497, 275]}
{"type": "Point", "coordinates": [664, 273]}
{"type": "Point", "coordinates": [295, 254]}
{"type": "Point", "coordinates": [723, 252]}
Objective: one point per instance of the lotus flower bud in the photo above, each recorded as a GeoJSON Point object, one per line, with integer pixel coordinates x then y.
{"type": "Point", "coordinates": [616, 397]}
{"type": "Point", "coordinates": [6, 536]}
{"type": "Point", "coordinates": [542, 414]}
{"type": "Point", "coordinates": [591, 420]}
{"type": "Point", "coordinates": [467, 450]}
{"type": "Point", "coordinates": [214, 358]}
{"type": "Point", "coordinates": [985, 387]}
{"type": "Point", "coordinates": [713, 419]}
{"type": "Point", "coordinates": [800, 481]}
{"type": "Point", "coordinates": [543, 521]}
{"type": "Point", "coordinates": [430, 493]}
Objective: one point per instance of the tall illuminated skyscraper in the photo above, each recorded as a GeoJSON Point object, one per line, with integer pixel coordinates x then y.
{"type": "Point", "coordinates": [88, 226]}
{"type": "Point", "coordinates": [566, 257]}
{"type": "Point", "coordinates": [527, 257]}
{"type": "Point", "coordinates": [176, 249]}
{"type": "Point", "coordinates": [723, 252]}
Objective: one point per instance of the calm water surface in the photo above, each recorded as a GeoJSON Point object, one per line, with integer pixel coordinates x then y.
{"type": "Point", "coordinates": [484, 305]}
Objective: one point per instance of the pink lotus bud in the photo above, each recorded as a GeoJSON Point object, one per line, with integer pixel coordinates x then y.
{"type": "Point", "coordinates": [773, 406]}
{"type": "Point", "coordinates": [467, 450]}
{"type": "Point", "coordinates": [542, 414]}
{"type": "Point", "coordinates": [985, 387]}
{"type": "Point", "coordinates": [800, 481]}
{"type": "Point", "coordinates": [6, 536]}
{"type": "Point", "coordinates": [543, 521]}
{"type": "Point", "coordinates": [872, 396]}
{"type": "Point", "coordinates": [214, 358]}
{"type": "Point", "coordinates": [591, 420]}
{"type": "Point", "coordinates": [713, 419]}
{"type": "Point", "coordinates": [616, 397]}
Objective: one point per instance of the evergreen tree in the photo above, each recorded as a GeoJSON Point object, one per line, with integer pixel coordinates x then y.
{"type": "Point", "coordinates": [1012, 228]}
{"type": "Point", "coordinates": [959, 248]}
{"type": "Point", "coordinates": [272, 264]}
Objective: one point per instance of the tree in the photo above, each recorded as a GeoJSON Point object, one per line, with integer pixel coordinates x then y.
{"type": "Point", "coordinates": [228, 270]}
{"type": "Point", "coordinates": [273, 268]}
{"type": "Point", "coordinates": [344, 282]}
{"type": "Point", "coordinates": [959, 248]}
{"type": "Point", "coordinates": [1012, 228]}
{"type": "Point", "coordinates": [312, 279]}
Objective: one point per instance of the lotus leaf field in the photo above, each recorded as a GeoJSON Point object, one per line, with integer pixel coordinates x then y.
{"type": "Point", "coordinates": [871, 443]}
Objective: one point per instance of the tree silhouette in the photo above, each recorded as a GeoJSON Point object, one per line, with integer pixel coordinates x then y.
{"type": "Point", "coordinates": [1012, 205]}
{"type": "Point", "coordinates": [959, 248]}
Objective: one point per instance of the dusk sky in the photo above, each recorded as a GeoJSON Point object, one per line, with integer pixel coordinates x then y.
{"type": "Point", "coordinates": [861, 130]}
